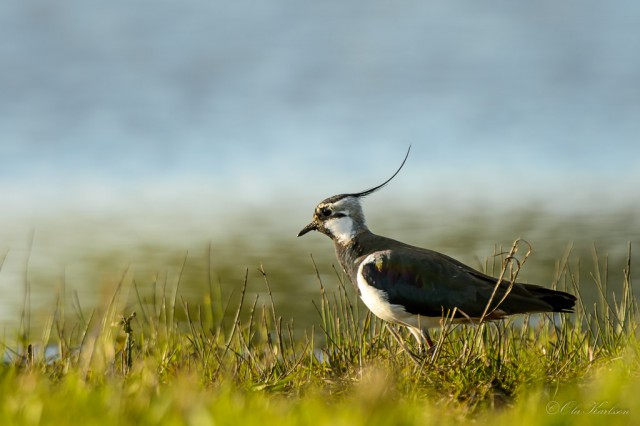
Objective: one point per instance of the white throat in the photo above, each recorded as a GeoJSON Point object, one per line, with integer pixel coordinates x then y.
{"type": "Point", "coordinates": [341, 228]}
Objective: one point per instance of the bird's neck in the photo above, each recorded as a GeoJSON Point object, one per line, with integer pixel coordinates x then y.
{"type": "Point", "coordinates": [347, 255]}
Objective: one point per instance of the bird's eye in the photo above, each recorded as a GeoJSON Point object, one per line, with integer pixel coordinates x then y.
{"type": "Point", "coordinates": [325, 212]}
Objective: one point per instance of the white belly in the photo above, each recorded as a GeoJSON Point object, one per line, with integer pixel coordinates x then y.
{"type": "Point", "coordinates": [378, 303]}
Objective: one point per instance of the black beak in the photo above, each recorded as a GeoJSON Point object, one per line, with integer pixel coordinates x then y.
{"type": "Point", "coordinates": [313, 226]}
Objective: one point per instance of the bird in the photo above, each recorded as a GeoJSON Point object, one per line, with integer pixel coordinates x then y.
{"type": "Point", "coordinates": [417, 287]}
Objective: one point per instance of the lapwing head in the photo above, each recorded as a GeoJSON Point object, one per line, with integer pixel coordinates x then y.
{"type": "Point", "coordinates": [340, 217]}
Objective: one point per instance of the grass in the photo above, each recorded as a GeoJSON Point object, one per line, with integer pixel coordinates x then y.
{"type": "Point", "coordinates": [158, 358]}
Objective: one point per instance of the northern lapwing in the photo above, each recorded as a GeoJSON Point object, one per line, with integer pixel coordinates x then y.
{"type": "Point", "coordinates": [418, 287]}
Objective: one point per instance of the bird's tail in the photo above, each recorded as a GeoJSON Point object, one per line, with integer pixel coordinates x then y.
{"type": "Point", "coordinates": [558, 300]}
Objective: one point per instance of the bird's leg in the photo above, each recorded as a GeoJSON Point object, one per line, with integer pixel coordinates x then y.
{"type": "Point", "coordinates": [427, 339]}
{"type": "Point", "coordinates": [425, 344]}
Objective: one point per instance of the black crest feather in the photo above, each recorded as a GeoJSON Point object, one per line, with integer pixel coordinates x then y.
{"type": "Point", "coordinates": [370, 190]}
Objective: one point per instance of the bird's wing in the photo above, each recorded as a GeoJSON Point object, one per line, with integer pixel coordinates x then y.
{"type": "Point", "coordinates": [431, 284]}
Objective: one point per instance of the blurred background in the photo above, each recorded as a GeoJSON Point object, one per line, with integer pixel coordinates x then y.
{"type": "Point", "coordinates": [137, 134]}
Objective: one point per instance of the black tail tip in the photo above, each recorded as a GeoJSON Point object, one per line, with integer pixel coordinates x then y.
{"type": "Point", "coordinates": [560, 301]}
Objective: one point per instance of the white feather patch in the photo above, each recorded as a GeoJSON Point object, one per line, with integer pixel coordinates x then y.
{"type": "Point", "coordinates": [341, 228]}
{"type": "Point", "coordinates": [378, 302]}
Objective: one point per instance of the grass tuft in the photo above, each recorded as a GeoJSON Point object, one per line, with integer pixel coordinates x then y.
{"type": "Point", "coordinates": [240, 361]}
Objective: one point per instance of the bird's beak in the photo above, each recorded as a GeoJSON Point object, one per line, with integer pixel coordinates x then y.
{"type": "Point", "coordinates": [313, 226]}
